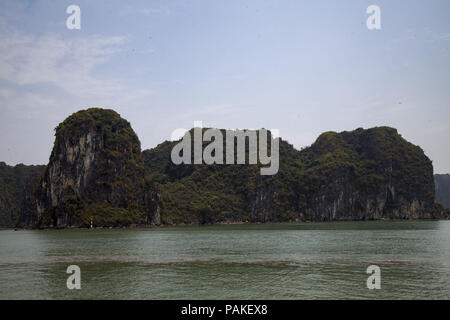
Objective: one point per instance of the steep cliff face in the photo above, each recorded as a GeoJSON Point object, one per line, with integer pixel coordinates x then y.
{"type": "Point", "coordinates": [442, 183]}
{"type": "Point", "coordinates": [28, 210]}
{"type": "Point", "coordinates": [95, 173]}
{"type": "Point", "coordinates": [14, 183]}
{"type": "Point", "coordinates": [359, 175]}
{"type": "Point", "coordinates": [369, 174]}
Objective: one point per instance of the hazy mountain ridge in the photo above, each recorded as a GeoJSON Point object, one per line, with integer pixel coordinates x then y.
{"type": "Point", "coordinates": [97, 173]}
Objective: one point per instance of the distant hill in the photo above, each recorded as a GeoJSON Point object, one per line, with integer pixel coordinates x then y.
{"type": "Point", "coordinates": [97, 174]}
{"type": "Point", "coordinates": [442, 185]}
{"type": "Point", "coordinates": [14, 182]}
{"type": "Point", "coordinates": [357, 175]}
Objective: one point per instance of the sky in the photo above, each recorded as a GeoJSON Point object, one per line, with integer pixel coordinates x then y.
{"type": "Point", "coordinates": [302, 67]}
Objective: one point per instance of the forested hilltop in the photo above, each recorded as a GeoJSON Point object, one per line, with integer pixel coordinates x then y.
{"type": "Point", "coordinates": [97, 174]}
{"type": "Point", "coordinates": [358, 175]}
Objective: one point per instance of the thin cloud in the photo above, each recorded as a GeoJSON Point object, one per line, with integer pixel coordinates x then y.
{"type": "Point", "coordinates": [44, 78]}
{"type": "Point", "coordinates": [68, 66]}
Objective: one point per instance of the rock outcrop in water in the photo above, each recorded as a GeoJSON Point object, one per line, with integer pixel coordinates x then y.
{"type": "Point", "coordinates": [97, 174]}
{"type": "Point", "coordinates": [370, 174]}
{"type": "Point", "coordinates": [359, 175]}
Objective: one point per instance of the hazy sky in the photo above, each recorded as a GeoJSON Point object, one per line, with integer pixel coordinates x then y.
{"type": "Point", "coordinates": [302, 67]}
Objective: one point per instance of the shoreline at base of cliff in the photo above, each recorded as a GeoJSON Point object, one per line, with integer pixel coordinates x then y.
{"type": "Point", "coordinates": [218, 224]}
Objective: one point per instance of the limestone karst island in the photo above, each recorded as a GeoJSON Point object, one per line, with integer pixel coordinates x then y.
{"type": "Point", "coordinates": [97, 175]}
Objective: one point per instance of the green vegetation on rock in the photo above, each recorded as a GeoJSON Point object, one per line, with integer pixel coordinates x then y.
{"type": "Point", "coordinates": [97, 173]}
{"type": "Point", "coordinates": [363, 174]}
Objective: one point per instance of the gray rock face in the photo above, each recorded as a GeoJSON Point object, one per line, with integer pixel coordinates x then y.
{"type": "Point", "coordinates": [5, 215]}
{"type": "Point", "coordinates": [442, 183]}
{"type": "Point", "coordinates": [360, 175]}
{"type": "Point", "coordinates": [15, 185]}
{"type": "Point", "coordinates": [340, 200]}
{"type": "Point", "coordinates": [262, 206]}
{"type": "Point", "coordinates": [95, 172]}
{"type": "Point", "coordinates": [70, 170]}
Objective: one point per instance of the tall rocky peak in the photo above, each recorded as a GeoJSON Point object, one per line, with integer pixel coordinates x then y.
{"type": "Point", "coordinates": [95, 173]}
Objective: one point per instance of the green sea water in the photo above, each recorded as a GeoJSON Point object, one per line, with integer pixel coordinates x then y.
{"type": "Point", "coordinates": [261, 261]}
